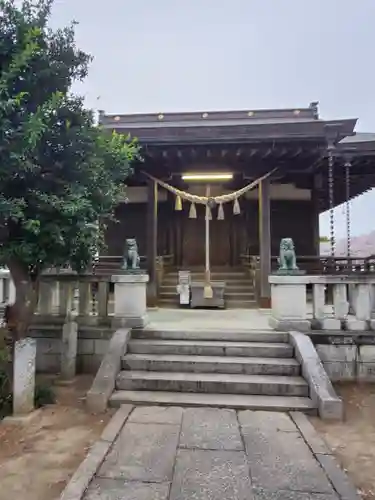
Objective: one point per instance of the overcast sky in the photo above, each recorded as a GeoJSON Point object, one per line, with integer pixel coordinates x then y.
{"type": "Point", "coordinates": [202, 55]}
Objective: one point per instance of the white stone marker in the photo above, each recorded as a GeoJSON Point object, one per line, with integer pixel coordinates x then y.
{"type": "Point", "coordinates": [130, 300]}
{"type": "Point", "coordinates": [24, 376]}
{"type": "Point", "coordinates": [69, 350]}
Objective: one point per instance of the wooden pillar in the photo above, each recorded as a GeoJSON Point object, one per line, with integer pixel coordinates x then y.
{"type": "Point", "coordinates": [315, 213]}
{"type": "Point", "coordinates": [265, 242]}
{"type": "Point", "coordinates": [152, 240]}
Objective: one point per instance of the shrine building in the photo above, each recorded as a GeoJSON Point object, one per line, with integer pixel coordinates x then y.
{"type": "Point", "coordinates": [293, 164]}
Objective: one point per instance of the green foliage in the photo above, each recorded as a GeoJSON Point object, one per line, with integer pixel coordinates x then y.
{"type": "Point", "coordinates": [59, 173]}
{"type": "Point", "coordinates": [44, 395]}
{"type": "Point", "coordinates": [324, 239]}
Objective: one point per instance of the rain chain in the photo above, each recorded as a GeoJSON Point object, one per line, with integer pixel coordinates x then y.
{"type": "Point", "coordinates": [348, 228]}
{"type": "Point", "coordinates": [331, 200]}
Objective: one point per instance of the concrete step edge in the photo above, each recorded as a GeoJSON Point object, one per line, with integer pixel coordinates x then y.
{"type": "Point", "coordinates": [209, 343]}
{"type": "Point", "coordinates": [236, 401]}
{"type": "Point", "coordinates": [186, 358]}
{"type": "Point", "coordinates": [236, 335]}
{"type": "Point", "coordinates": [234, 378]}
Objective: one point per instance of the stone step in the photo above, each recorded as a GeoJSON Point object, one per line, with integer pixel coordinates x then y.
{"type": "Point", "coordinates": [236, 401]}
{"type": "Point", "coordinates": [214, 274]}
{"type": "Point", "coordinates": [211, 364]}
{"type": "Point", "coordinates": [228, 295]}
{"type": "Point", "coordinates": [211, 348]}
{"type": "Point", "coordinates": [214, 268]}
{"type": "Point", "coordinates": [169, 303]}
{"type": "Point", "coordinates": [240, 304]}
{"type": "Point", "coordinates": [244, 280]}
{"type": "Point", "coordinates": [268, 336]}
{"type": "Point", "coordinates": [174, 303]}
{"type": "Point", "coordinates": [223, 383]}
{"type": "Point", "coordinates": [230, 286]}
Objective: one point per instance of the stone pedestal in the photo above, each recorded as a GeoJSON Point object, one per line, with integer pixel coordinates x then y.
{"type": "Point", "coordinates": [354, 325]}
{"type": "Point", "coordinates": [130, 300]}
{"type": "Point", "coordinates": [197, 294]}
{"type": "Point", "coordinates": [289, 304]}
{"type": "Point", "coordinates": [330, 324]}
{"type": "Point", "coordinates": [24, 376]}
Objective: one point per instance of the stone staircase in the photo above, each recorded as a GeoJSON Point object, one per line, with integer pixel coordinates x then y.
{"type": "Point", "coordinates": [239, 290]}
{"type": "Point", "coordinates": [255, 370]}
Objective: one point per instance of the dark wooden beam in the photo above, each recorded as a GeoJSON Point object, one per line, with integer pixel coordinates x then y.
{"type": "Point", "coordinates": [265, 242]}
{"type": "Point", "coordinates": [152, 239]}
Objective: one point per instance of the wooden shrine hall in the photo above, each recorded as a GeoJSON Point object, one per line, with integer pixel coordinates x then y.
{"type": "Point", "coordinates": [293, 164]}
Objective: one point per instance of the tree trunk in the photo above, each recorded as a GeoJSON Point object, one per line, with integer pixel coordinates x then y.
{"type": "Point", "coordinates": [20, 313]}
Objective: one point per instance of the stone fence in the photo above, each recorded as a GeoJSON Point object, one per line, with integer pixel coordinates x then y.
{"type": "Point", "coordinates": [92, 299]}
{"type": "Point", "coordinates": [76, 315]}
{"type": "Point", "coordinates": [339, 302]}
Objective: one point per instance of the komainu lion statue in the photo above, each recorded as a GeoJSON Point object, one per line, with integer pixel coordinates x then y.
{"type": "Point", "coordinates": [287, 258]}
{"type": "Point", "coordinates": [131, 256]}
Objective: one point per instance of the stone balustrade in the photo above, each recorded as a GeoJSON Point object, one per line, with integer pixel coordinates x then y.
{"type": "Point", "coordinates": [338, 302]}
{"type": "Point", "coordinates": [91, 299]}
{"type": "Point", "coordinates": [87, 297]}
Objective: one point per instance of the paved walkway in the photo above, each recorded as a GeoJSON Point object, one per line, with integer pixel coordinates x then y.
{"type": "Point", "coordinates": [215, 319]}
{"type": "Point", "coordinates": [211, 454]}
{"type": "Point", "coordinates": [206, 319]}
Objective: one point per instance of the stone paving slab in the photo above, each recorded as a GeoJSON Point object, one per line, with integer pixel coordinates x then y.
{"type": "Point", "coordinates": [207, 474]}
{"type": "Point", "coordinates": [260, 494]}
{"type": "Point", "coordinates": [109, 489]}
{"type": "Point", "coordinates": [157, 415]}
{"type": "Point", "coordinates": [212, 454]}
{"type": "Point", "coordinates": [143, 452]}
{"type": "Point", "coordinates": [279, 457]}
{"type": "Point", "coordinates": [207, 428]}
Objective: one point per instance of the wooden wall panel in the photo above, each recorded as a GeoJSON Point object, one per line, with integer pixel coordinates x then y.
{"type": "Point", "coordinates": [230, 237]}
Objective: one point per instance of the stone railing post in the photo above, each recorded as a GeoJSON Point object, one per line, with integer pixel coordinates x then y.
{"type": "Point", "coordinates": [352, 292]}
{"type": "Point", "coordinates": [363, 306]}
{"type": "Point", "coordinates": [319, 301]}
{"type": "Point", "coordinates": [130, 300]}
{"type": "Point", "coordinates": [103, 295]}
{"type": "Point", "coordinates": [288, 303]}
{"type": "Point", "coordinates": [65, 298]}
{"type": "Point", "coordinates": [340, 304]}
{"type": "Point", "coordinates": [69, 332]}
{"type": "Point", "coordinates": [47, 290]}
{"type": "Point", "coordinates": [85, 303]}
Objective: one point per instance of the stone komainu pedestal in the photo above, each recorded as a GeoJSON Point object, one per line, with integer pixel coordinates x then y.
{"type": "Point", "coordinates": [289, 304]}
{"type": "Point", "coordinates": [130, 300]}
